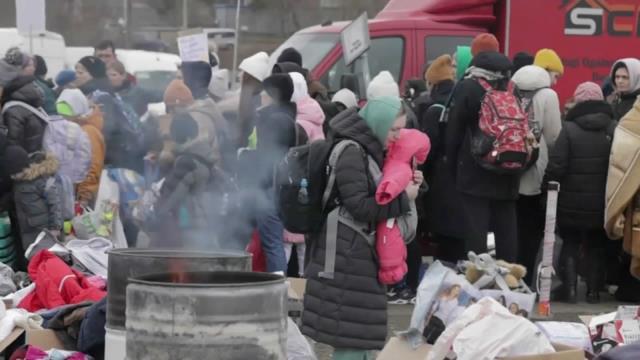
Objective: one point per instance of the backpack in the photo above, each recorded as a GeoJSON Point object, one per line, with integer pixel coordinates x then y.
{"type": "Point", "coordinates": [66, 140]}
{"type": "Point", "coordinates": [503, 142]}
{"type": "Point", "coordinates": [304, 182]}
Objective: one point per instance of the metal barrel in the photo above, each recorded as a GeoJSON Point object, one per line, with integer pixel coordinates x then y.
{"type": "Point", "coordinates": [128, 263]}
{"type": "Point", "coordinates": [219, 315]}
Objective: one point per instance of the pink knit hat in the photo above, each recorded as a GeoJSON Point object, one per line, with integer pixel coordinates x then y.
{"type": "Point", "coordinates": [588, 91]}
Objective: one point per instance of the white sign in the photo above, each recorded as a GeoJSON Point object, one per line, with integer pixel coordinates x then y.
{"type": "Point", "coordinates": [194, 47]}
{"type": "Point", "coordinates": [31, 16]}
{"type": "Point", "coordinates": [355, 39]}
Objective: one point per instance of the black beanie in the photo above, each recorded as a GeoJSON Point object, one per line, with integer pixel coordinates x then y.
{"type": "Point", "coordinates": [15, 159]}
{"type": "Point", "coordinates": [183, 128]}
{"type": "Point", "coordinates": [290, 55]}
{"type": "Point", "coordinates": [41, 66]}
{"type": "Point", "coordinates": [94, 66]}
{"type": "Point", "coordinates": [521, 60]}
{"type": "Point", "coordinates": [279, 87]}
{"type": "Point", "coordinates": [197, 76]}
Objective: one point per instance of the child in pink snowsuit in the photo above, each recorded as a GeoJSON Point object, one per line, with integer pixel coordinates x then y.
{"type": "Point", "coordinates": [411, 148]}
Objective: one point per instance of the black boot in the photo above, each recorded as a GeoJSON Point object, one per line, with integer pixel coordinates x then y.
{"type": "Point", "coordinates": [594, 272]}
{"type": "Point", "coordinates": [571, 280]}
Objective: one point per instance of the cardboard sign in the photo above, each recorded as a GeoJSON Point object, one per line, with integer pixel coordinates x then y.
{"type": "Point", "coordinates": [355, 39]}
{"type": "Point", "coordinates": [193, 45]}
{"type": "Point", "coordinates": [31, 16]}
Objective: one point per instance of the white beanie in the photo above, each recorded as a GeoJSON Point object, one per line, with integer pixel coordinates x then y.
{"type": "Point", "coordinates": [346, 97]}
{"type": "Point", "coordinates": [383, 85]}
{"type": "Point", "coordinates": [256, 65]}
{"type": "Point", "coordinates": [76, 101]}
{"type": "Point", "coordinates": [300, 89]}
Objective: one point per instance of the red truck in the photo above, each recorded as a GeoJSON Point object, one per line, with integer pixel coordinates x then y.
{"type": "Point", "coordinates": [590, 35]}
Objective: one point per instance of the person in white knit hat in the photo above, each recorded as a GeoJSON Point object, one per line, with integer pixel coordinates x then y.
{"type": "Point", "coordinates": [254, 69]}
{"type": "Point", "coordinates": [385, 85]}
{"type": "Point", "coordinates": [346, 98]}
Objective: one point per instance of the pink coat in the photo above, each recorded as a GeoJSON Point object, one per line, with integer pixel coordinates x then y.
{"type": "Point", "coordinates": [310, 117]}
{"type": "Point", "coordinates": [397, 173]}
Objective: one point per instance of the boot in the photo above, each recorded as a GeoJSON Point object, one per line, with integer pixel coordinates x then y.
{"type": "Point", "coordinates": [571, 279]}
{"type": "Point", "coordinates": [594, 272]}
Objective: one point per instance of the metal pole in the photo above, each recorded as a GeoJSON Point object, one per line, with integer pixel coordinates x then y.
{"type": "Point", "coordinates": [234, 71]}
{"type": "Point", "coordinates": [31, 40]}
{"type": "Point", "coordinates": [366, 73]}
{"type": "Point", "coordinates": [185, 14]}
{"type": "Point", "coordinates": [126, 15]}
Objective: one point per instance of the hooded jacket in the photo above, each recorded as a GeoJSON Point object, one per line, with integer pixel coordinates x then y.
{"type": "Point", "coordinates": [49, 99]}
{"type": "Point", "coordinates": [211, 125]}
{"type": "Point", "coordinates": [92, 126]}
{"type": "Point", "coordinates": [139, 98]}
{"type": "Point", "coordinates": [309, 113]}
{"type": "Point", "coordinates": [470, 177]}
{"type": "Point", "coordinates": [546, 118]}
{"type": "Point", "coordinates": [623, 183]}
{"type": "Point", "coordinates": [623, 102]}
{"type": "Point", "coordinates": [579, 162]}
{"type": "Point", "coordinates": [37, 199]}
{"type": "Point", "coordinates": [397, 174]}
{"type": "Point", "coordinates": [25, 128]}
{"type": "Point", "coordinates": [350, 311]}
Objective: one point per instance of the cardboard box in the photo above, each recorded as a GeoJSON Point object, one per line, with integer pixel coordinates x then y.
{"type": "Point", "coordinates": [12, 338]}
{"type": "Point", "coordinates": [397, 349]}
{"type": "Point", "coordinates": [44, 339]}
{"type": "Point", "coordinates": [610, 330]}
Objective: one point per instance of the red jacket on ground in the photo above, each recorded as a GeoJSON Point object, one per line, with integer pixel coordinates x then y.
{"type": "Point", "coordinates": [411, 147]}
{"type": "Point", "coordinates": [57, 284]}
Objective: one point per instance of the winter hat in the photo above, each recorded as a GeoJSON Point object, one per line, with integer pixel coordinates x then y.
{"type": "Point", "coordinates": [41, 66]}
{"type": "Point", "coordinates": [65, 77]}
{"type": "Point", "coordinates": [289, 67]}
{"type": "Point", "coordinates": [256, 65]}
{"type": "Point", "coordinates": [483, 43]}
{"type": "Point", "coordinates": [197, 76]}
{"type": "Point", "coordinates": [300, 90]}
{"type": "Point", "coordinates": [440, 70]}
{"type": "Point", "coordinates": [183, 128]}
{"type": "Point", "coordinates": [177, 94]}
{"type": "Point", "coordinates": [588, 91]}
{"type": "Point", "coordinates": [463, 60]}
{"type": "Point", "coordinates": [94, 66]}
{"type": "Point", "coordinates": [383, 85]}
{"type": "Point", "coordinates": [345, 97]}
{"type": "Point", "coordinates": [290, 55]}
{"type": "Point", "coordinates": [72, 102]}
{"type": "Point", "coordinates": [521, 60]}
{"type": "Point", "coordinates": [633, 67]}
{"type": "Point", "coordinates": [15, 159]}
{"type": "Point", "coordinates": [279, 87]}
{"type": "Point", "coordinates": [16, 57]}
{"type": "Point", "coordinates": [380, 113]}
{"type": "Point", "coordinates": [549, 60]}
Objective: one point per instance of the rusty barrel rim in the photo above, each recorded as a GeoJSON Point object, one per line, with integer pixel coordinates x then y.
{"type": "Point", "coordinates": [176, 253]}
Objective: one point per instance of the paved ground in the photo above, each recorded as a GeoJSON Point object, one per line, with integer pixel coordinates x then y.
{"type": "Point", "coordinates": [400, 315]}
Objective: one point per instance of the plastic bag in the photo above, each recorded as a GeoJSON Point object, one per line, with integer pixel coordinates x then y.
{"type": "Point", "coordinates": [298, 348]}
{"type": "Point", "coordinates": [486, 331]}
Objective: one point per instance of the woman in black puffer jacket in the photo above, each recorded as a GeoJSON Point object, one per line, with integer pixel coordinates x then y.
{"type": "Point", "coordinates": [349, 309]}
{"type": "Point", "coordinates": [579, 161]}
{"type": "Point", "coordinates": [25, 128]}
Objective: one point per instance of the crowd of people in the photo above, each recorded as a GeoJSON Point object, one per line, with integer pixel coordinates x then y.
{"type": "Point", "coordinates": [216, 175]}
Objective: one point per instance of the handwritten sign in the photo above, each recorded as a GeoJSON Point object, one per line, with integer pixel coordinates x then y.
{"type": "Point", "coordinates": [355, 39]}
{"type": "Point", "coordinates": [30, 16]}
{"type": "Point", "coordinates": [193, 46]}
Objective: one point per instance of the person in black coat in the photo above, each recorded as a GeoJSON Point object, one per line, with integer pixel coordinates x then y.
{"type": "Point", "coordinates": [24, 128]}
{"type": "Point", "coordinates": [625, 76]}
{"type": "Point", "coordinates": [579, 161]}
{"type": "Point", "coordinates": [349, 311]}
{"type": "Point", "coordinates": [488, 197]}
{"type": "Point", "coordinates": [444, 215]}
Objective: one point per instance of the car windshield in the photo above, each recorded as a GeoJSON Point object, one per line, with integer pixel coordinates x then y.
{"type": "Point", "coordinates": [313, 47]}
{"type": "Point", "coordinates": [154, 80]}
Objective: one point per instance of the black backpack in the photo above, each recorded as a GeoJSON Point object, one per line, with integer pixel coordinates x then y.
{"type": "Point", "coordinates": [304, 184]}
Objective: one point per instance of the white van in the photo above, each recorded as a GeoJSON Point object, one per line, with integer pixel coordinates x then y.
{"type": "Point", "coordinates": [49, 45]}
{"type": "Point", "coordinates": [153, 70]}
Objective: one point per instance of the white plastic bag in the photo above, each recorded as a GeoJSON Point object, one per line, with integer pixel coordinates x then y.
{"type": "Point", "coordinates": [92, 254]}
{"type": "Point", "coordinates": [298, 348]}
{"type": "Point", "coordinates": [106, 214]}
{"type": "Point", "coordinates": [487, 330]}
{"type": "Point", "coordinates": [575, 335]}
